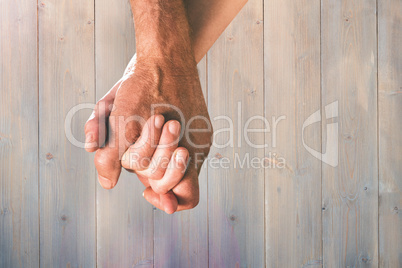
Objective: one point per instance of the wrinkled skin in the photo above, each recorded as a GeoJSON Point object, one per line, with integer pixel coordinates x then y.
{"type": "Point", "coordinates": [156, 81]}
{"type": "Point", "coordinates": [208, 20]}
{"type": "Point", "coordinates": [162, 90]}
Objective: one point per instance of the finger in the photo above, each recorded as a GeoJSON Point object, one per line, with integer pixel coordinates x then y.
{"type": "Point", "coordinates": [166, 202]}
{"type": "Point", "coordinates": [186, 193]}
{"type": "Point", "coordinates": [174, 172]}
{"type": "Point", "coordinates": [187, 190]}
{"type": "Point", "coordinates": [107, 163]}
{"type": "Point", "coordinates": [122, 133]}
{"type": "Point", "coordinates": [138, 156]}
{"type": "Point", "coordinates": [95, 127]}
{"type": "Point", "coordinates": [169, 202]}
{"type": "Point", "coordinates": [167, 145]}
{"type": "Point", "coordinates": [143, 180]}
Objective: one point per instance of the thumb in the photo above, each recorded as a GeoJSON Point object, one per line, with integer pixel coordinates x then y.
{"type": "Point", "coordinates": [107, 158]}
{"type": "Point", "coordinates": [123, 131]}
{"type": "Point", "coordinates": [95, 127]}
{"type": "Point", "coordinates": [107, 163]}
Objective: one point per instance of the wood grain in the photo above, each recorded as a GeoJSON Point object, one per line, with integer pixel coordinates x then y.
{"type": "Point", "coordinates": [67, 185]}
{"type": "Point", "coordinates": [304, 213]}
{"type": "Point", "coordinates": [350, 190]}
{"type": "Point", "coordinates": [390, 126]}
{"type": "Point", "coordinates": [181, 239]}
{"type": "Point", "coordinates": [19, 222]}
{"type": "Point", "coordinates": [292, 94]}
{"type": "Point", "coordinates": [124, 218]}
{"type": "Point", "coordinates": [235, 194]}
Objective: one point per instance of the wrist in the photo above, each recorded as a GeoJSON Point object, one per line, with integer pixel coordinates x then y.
{"type": "Point", "coordinates": [157, 68]}
{"type": "Point", "coordinates": [162, 29]}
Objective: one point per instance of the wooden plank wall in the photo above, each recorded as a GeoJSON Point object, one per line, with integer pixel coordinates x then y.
{"type": "Point", "coordinates": [349, 77]}
{"type": "Point", "coordinates": [124, 218]}
{"type": "Point", "coordinates": [235, 91]}
{"type": "Point", "coordinates": [181, 240]}
{"type": "Point", "coordinates": [19, 207]}
{"type": "Point", "coordinates": [282, 59]}
{"type": "Point", "coordinates": [292, 93]}
{"type": "Point", "coordinates": [67, 187]}
{"type": "Point", "coordinates": [390, 125]}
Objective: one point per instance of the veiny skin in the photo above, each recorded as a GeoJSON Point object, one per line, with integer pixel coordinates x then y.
{"type": "Point", "coordinates": [158, 79]}
{"type": "Point", "coordinates": [208, 19]}
{"type": "Point", "coordinates": [162, 87]}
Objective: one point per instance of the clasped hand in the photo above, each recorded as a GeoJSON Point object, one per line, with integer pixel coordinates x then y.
{"type": "Point", "coordinates": [153, 122]}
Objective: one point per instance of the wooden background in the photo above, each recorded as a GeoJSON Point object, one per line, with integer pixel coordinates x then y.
{"type": "Point", "coordinates": [278, 58]}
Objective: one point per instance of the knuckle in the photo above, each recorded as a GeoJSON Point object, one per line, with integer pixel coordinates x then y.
{"type": "Point", "coordinates": [192, 203]}
{"type": "Point", "coordinates": [159, 189]}
{"type": "Point", "coordinates": [104, 160]}
{"type": "Point", "coordinates": [152, 141]}
{"type": "Point", "coordinates": [189, 189]}
{"type": "Point", "coordinates": [156, 175]}
{"type": "Point", "coordinates": [135, 161]}
{"type": "Point", "coordinates": [132, 133]}
{"type": "Point", "coordinates": [129, 159]}
{"type": "Point", "coordinates": [157, 167]}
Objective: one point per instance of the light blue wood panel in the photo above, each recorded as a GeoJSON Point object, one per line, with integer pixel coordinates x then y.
{"type": "Point", "coordinates": [181, 239]}
{"type": "Point", "coordinates": [390, 127]}
{"type": "Point", "coordinates": [235, 193]}
{"type": "Point", "coordinates": [124, 217]}
{"type": "Point", "coordinates": [349, 77]}
{"type": "Point", "coordinates": [67, 184]}
{"type": "Point", "coordinates": [19, 221]}
{"type": "Point", "coordinates": [292, 94]}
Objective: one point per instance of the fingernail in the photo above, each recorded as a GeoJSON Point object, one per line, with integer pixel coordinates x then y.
{"type": "Point", "coordinates": [89, 142]}
{"type": "Point", "coordinates": [143, 194]}
{"type": "Point", "coordinates": [89, 138]}
{"type": "Point", "coordinates": [174, 127]}
{"type": "Point", "coordinates": [169, 211]}
{"type": "Point", "coordinates": [105, 183]}
{"type": "Point", "coordinates": [181, 156]}
{"type": "Point", "coordinates": [159, 120]}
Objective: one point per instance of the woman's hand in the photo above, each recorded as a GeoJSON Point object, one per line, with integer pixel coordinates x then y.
{"type": "Point", "coordinates": [149, 90]}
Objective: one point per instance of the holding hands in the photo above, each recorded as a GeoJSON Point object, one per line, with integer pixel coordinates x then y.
{"type": "Point", "coordinates": [154, 121]}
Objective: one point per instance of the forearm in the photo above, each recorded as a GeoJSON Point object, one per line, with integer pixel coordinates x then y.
{"type": "Point", "coordinates": [207, 19]}
{"type": "Point", "coordinates": [162, 31]}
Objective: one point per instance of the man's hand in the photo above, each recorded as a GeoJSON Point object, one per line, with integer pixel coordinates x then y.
{"type": "Point", "coordinates": [175, 94]}
{"type": "Point", "coordinates": [207, 27]}
{"type": "Point", "coordinates": [141, 157]}
{"type": "Point", "coordinates": [165, 82]}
